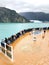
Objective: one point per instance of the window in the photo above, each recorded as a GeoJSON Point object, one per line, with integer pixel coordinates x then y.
{"type": "Point", "coordinates": [9, 54]}
{"type": "Point", "coordinates": [3, 50]}
{"type": "Point", "coordinates": [8, 48]}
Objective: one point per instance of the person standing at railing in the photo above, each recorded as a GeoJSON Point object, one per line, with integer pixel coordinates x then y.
{"type": "Point", "coordinates": [6, 40]}
{"type": "Point", "coordinates": [44, 34]}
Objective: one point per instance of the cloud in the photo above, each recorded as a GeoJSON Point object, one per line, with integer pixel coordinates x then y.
{"type": "Point", "coordinates": [26, 5]}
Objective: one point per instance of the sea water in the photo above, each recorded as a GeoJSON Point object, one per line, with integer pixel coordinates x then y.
{"type": "Point", "coordinates": [8, 29]}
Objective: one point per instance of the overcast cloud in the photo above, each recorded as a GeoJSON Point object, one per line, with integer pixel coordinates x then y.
{"type": "Point", "coordinates": [26, 5]}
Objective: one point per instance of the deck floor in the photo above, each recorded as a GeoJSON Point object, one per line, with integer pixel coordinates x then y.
{"type": "Point", "coordinates": [4, 60]}
{"type": "Point", "coordinates": [29, 52]}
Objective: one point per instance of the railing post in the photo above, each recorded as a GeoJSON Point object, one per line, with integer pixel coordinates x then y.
{"type": "Point", "coordinates": [12, 53]}
{"type": "Point", "coordinates": [5, 49]}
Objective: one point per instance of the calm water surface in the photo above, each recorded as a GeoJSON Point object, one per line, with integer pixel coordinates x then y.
{"type": "Point", "coordinates": [8, 29]}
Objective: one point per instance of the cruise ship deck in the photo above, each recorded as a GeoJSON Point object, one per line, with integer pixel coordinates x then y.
{"type": "Point", "coordinates": [29, 51]}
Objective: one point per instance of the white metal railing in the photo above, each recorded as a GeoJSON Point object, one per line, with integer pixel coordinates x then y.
{"type": "Point", "coordinates": [7, 50]}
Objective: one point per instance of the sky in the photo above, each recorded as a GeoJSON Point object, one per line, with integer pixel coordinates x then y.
{"type": "Point", "coordinates": [26, 5]}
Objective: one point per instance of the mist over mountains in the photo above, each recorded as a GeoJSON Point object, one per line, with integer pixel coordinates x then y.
{"type": "Point", "coordinates": [41, 16]}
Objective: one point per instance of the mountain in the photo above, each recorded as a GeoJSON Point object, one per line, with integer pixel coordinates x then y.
{"type": "Point", "coordinates": [41, 16]}
{"type": "Point", "coordinates": [7, 15]}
